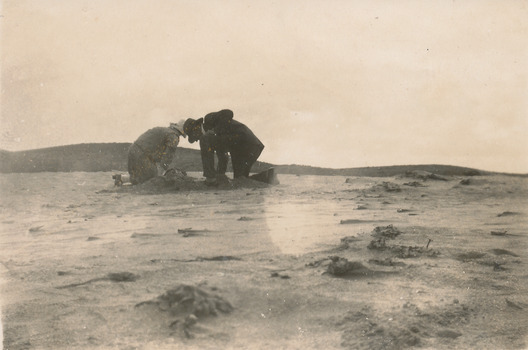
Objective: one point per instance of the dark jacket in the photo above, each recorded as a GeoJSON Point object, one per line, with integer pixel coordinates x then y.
{"type": "Point", "coordinates": [225, 135]}
{"type": "Point", "coordinates": [232, 136]}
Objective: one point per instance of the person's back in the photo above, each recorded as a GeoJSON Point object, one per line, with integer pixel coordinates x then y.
{"type": "Point", "coordinates": [154, 142]}
{"type": "Point", "coordinates": [235, 135]}
{"type": "Point", "coordinates": [155, 146]}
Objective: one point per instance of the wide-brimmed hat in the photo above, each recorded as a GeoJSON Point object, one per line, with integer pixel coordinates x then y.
{"type": "Point", "coordinates": [178, 127]}
{"type": "Point", "coordinates": [191, 128]}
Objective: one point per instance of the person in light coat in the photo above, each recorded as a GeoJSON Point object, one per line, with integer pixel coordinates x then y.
{"type": "Point", "coordinates": [154, 147]}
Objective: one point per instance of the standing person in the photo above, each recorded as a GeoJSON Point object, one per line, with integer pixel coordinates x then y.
{"type": "Point", "coordinates": [219, 132]}
{"type": "Point", "coordinates": [155, 146]}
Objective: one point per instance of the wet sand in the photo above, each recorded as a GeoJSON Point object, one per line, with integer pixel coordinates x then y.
{"type": "Point", "coordinates": [316, 262]}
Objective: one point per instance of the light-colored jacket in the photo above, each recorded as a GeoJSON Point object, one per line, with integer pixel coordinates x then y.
{"type": "Point", "coordinates": [158, 143]}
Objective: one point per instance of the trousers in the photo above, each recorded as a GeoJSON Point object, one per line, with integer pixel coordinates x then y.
{"type": "Point", "coordinates": [242, 157]}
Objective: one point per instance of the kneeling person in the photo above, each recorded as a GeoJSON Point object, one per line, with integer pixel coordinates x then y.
{"type": "Point", "coordinates": [219, 132]}
{"type": "Point", "coordinates": [155, 146]}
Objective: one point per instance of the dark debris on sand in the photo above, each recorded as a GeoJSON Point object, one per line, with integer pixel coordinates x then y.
{"type": "Point", "coordinates": [342, 267]}
{"type": "Point", "coordinates": [113, 277]}
{"type": "Point", "coordinates": [424, 175]}
{"type": "Point", "coordinates": [387, 187]}
{"type": "Point", "coordinates": [508, 213]}
{"type": "Point", "coordinates": [414, 184]}
{"type": "Point", "coordinates": [186, 304]}
{"type": "Point", "coordinates": [388, 232]}
{"type": "Point", "coordinates": [402, 251]}
{"type": "Point", "coordinates": [346, 242]}
{"type": "Point", "coordinates": [387, 262]}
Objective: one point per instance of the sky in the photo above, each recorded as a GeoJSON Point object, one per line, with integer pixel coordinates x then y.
{"type": "Point", "coordinates": [328, 83]}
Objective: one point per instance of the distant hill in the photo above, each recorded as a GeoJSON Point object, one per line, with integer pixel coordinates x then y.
{"type": "Point", "coordinates": [93, 157]}
{"type": "Point", "coordinates": [81, 157]}
{"type": "Point", "coordinates": [383, 171]}
{"type": "Point", "coordinates": [89, 157]}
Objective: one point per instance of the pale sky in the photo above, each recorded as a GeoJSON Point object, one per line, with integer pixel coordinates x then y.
{"type": "Point", "coordinates": [324, 83]}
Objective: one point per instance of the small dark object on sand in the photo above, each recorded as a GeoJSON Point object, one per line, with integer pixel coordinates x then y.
{"type": "Point", "coordinates": [514, 305]}
{"type": "Point", "coordinates": [117, 179]}
{"type": "Point", "coordinates": [198, 259]}
{"type": "Point", "coordinates": [405, 252]}
{"type": "Point", "coordinates": [424, 175]}
{"type": "Point", "coordinates": [144, 235]}
{"type": "Point", "coordinates": [122, 277]}
{"type": "Point", "coordinates": [186, 305]}
{"type": "Point", "coordinates": [503, 252]}
{"type": "Point", "coordinates": [189, 232]}
{"type": "Point", "coordinates": [449, 334]}
{"type": "Point", "coordinates": [428, 242]}
{"type": "Point", "coordinates": [113, 277]}
{"type": "Point", "coordinates": [508, 213]}
{"type": "Point", "coordinates": [402, 251]}
{"type": "Point", "coordinates": [499, 233]}
{"type": "Point", "coordinates": [498, 267]}
{"type": "Point", "coordinates": [174, 172]}
{"type": "Point", "coordinates": [353, 221]}
{"type": "Point", "coordinates": [386, 262]}
{"type": "Point", "coordinates": [346, 241]}
{"type": "Point", "coordinates": [185, 325]}
{"type": "Point", "coordinates": [184, 300]}
{"type": "Point", "coordinates": [318, 263]}
{"type": "Point", "coordinates": [342, 267]}
{"type": "Point", "coordinates": [218, 258]}
{"type": "Point", "coordinates": [387, 231]}
{"type": "Point", "coordinates": [391, 187]}
{"type": "Point", "coordinates": [414, 184]}
{"type": "Point", "coordinates": [465, 182]}
{"type": "Point", "coordinates": [267, 176]}
{"type": "Point", "coordinates": [468, 256]}
{"type": "Point", "coordinates": [276, 274]}
{"type": "Point", "coordinates": [378, 244]}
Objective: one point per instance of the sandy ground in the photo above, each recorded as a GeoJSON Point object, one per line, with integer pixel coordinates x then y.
{"type": "Point", "coordinates": [87, 267]}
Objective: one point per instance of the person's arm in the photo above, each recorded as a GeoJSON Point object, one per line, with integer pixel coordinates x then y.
{"type": "Point", "coordinates": [166, 159]}
{"type": "Point", "coordinates": [171, 143]}
{"type": "Point", "coordinates": [221, 154]}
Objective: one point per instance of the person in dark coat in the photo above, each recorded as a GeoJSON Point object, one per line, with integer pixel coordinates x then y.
{"type": "Point", "coordinates": [155, 146]}
{"type": "Point", "coordinates": [219, 132]}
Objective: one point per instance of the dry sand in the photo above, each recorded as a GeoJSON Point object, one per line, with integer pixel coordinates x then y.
{"type": "Point", "coordinates": [300, 265]}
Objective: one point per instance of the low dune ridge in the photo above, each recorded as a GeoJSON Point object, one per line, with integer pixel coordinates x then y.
{"type": "Point", "coordinates": [93, 157]}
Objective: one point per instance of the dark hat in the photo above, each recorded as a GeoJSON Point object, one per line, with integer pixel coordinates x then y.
{"type": "Point", "coordinates": [193, 129]}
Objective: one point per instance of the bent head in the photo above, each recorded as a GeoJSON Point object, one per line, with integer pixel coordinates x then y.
{"type": "Point", "coordinates": [193, 129]}
{"type": "Point", "coordinates": [178, 127]}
